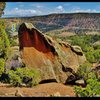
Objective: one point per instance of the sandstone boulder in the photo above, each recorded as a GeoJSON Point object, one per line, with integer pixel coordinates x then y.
{"type": "Point", "coordinates": [49, 56]}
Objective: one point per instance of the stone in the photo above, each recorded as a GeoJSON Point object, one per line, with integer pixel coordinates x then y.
{"type": "Point", "coordinates": [80, 82]}
{"type": "Point", "coordinates": [48, 55]}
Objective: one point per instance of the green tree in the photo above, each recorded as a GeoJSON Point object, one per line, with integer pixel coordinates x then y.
{"type": "Point", "coordinates": [2, 64]}
{"type": "Point", "coordinates": [5, 44]}
{"type": "Point", "coordinates": [2, 6]}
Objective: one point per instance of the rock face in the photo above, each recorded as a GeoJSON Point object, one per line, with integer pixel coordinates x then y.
{"type": "Point", "coordinates": [50, 57]}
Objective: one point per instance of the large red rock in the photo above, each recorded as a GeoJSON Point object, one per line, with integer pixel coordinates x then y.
{"type": "Point", "coordinates": [51, 57]}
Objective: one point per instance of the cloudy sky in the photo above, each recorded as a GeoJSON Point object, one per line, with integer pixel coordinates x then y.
{"type": "Point", "coordinates": [19, 9]}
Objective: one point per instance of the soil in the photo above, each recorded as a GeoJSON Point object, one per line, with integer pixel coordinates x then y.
{"type": "Point", "coordinates": [41, 90]}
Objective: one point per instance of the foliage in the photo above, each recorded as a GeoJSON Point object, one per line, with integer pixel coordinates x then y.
{"type": "Point", "coordinates": [96, 55]}
{"type": "Point", "coordinates": [4, 41]}
{"type": "Point", "coordinates": [17, 77]}
{"type": "Point", "coordinates": [86, 42]}
{"type": "Point", "coordinates": [30, 73]}
{"type": "Point", "coordinates": [85, 71]}
{"type": "Point", "coordinates": [91, 90]}
{"type": "Point", "coordinates": [2, 64]}
{"type": "Point", "coordinates": [13, 42]}
{"type": "Point", "coordinates": [2, 6]}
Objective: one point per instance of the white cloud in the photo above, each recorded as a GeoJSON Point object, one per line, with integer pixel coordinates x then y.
{"type": "Point", "coordinates": [22, 12]}
{"type": "Point", "coordinates": [87, 10]}
{"type": "Point", "coordinates": [60, 8]}
{"type": "Point", "coordinates": [16, 8]}
{"type": "Point", "coordinates": [39, 6]}
{"type": "Point", "coordinates": [78, 9]}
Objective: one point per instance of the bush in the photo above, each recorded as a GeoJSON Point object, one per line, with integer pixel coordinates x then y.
{"type": "Point", "coordinates": [84, 70]}
{"type": "Point", "coordinates": [15, 79]}
{"type": "Point", "coordinates": [90, 57]}
{"type": "Point", "coordinates": [97, 55]}
{"type": "Point", "coordinates": [2, 64]}
{"type": "Point", "coordinates": [24, 75]}
{"type": "Point", "coordinates": [91, 90]}
{"type": "Point", "coordinates": [30, 74]}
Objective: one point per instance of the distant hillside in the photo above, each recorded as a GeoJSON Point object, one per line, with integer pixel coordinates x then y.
{"type": "Point", "coordinates": [71, 22]}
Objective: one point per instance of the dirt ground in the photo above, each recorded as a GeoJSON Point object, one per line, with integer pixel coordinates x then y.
{"type": "Point", "coordinates": [41, 90]}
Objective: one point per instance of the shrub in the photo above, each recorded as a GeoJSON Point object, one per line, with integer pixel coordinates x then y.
{"type": "Point", "coordinates": [15, 79]}
{"type": "Point", "coordinates": [30, 74]}
{"type": "Point", "coordinates": [24, 75]}
{"type": "Point", "coordinates": [5, 78]}
{"type": "Point", "coordinates": [84, 70]}
{"type": "Point", "coordinates": [91, 90]}
{"type": "Point", "coordinates": [93, 84]}
{"type": "Point", "coordinates": [90, 57]}
{"type": "Point", "coordinates": [2, 64]}
{"type": "Point", "coordinates": [96, 54]}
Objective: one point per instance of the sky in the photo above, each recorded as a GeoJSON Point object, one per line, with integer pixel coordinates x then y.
{"type": "Point", "coordinates": [21, 9]}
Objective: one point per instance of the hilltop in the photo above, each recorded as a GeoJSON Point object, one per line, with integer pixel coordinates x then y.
{"type": "Point", "coordinates": [72, 22]}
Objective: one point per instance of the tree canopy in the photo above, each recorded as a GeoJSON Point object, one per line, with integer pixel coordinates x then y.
{"type": "Point", "coordinates": [2, 6]}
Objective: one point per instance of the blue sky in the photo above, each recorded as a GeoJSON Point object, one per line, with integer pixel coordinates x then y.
{"type": "Point", "coordinates": [19, 9]}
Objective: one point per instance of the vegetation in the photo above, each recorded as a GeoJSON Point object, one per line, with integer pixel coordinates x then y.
{"type": "Point", "coordinates": [30, 77]}
{"type": "Point", "coordinates": [4, 41]}
{"type": "Point", "coordinates": [2, 64]}
{"type": "Point", "coordinates": [20, 76]}
{"type": "Point", "coordinates": [13, 41]}
{"type": "Point", "coordinates": [84, 70]}
{"type": "Point", "coordinates": [17, 77]}
{"type": "Point", "coordinates": [91, 90]}
{"type": "Point", "coordinates": [88, 45]}
{"type": "Point", "coordinates": [2, 6]}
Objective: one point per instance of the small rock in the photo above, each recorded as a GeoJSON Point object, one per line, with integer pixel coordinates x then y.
{"type": "Point", "coordinates": [18, 93]}
{"type": "Point", "coordinates": [80, 82]}
{"type": "Point", "coordinates": [57, 94]}
{"type": "Point", "coordinates": [66, 95]}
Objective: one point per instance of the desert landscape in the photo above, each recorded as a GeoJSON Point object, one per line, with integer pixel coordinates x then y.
{"type": "Point", "coordinates": [53, 55]}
